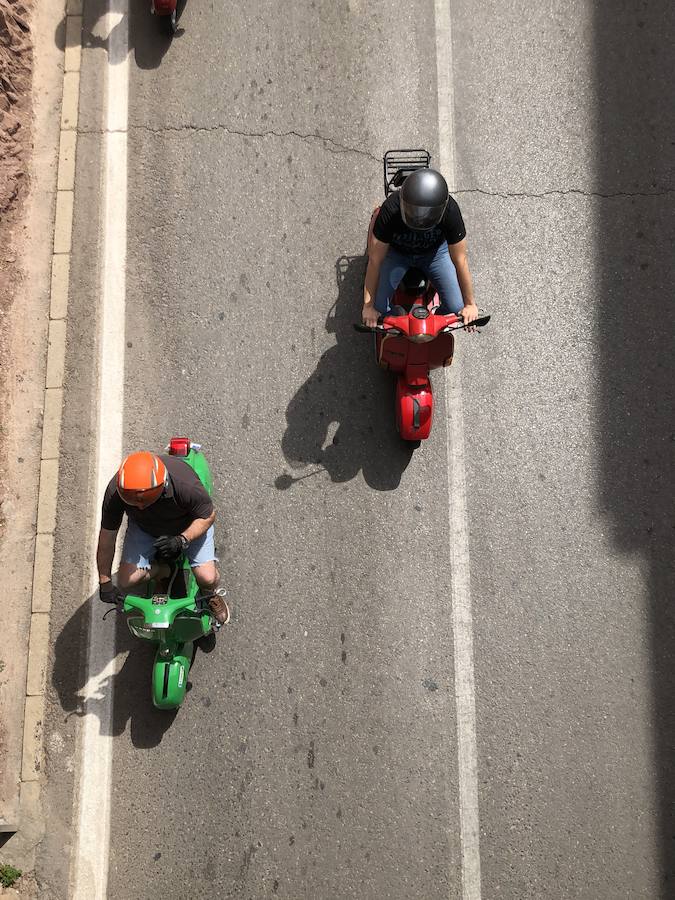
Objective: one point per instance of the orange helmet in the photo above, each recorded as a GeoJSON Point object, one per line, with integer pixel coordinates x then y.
{"type": "Point", "coordinates": [141, 478]}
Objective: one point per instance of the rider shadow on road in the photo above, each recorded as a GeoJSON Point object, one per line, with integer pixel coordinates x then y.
{"type": "Point", "coordinates": [132, 701]}
{"type": "Point", "coordinates": [342, 418]}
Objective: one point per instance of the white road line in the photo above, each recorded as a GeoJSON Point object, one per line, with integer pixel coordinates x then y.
{"type": "Point", "coordinates": [458, 517]}
{"type": "Point", "coordinates": [90, 870]}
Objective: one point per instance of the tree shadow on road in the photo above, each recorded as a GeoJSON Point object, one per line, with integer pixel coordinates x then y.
{"type": "Point", "coordinates": [132, 685]}
{"type": "Point", "coordinates": [635, 71]}
{"type": "Point", "coordinates": [342, 418]}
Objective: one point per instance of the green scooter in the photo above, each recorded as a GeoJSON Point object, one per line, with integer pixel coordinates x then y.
{"type": "Point", "coordinates": [173, 619]}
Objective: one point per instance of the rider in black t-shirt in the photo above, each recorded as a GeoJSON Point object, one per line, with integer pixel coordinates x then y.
{"type": "Point", "coordinates": [420, 225]}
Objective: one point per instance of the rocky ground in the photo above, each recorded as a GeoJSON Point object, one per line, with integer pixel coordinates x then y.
{"type": "Point", "coordinates": [15, 136]}
{"type": "Point", "coordinates": [15, 146]}
{"type": "Point", "coordinates": [15, 79]}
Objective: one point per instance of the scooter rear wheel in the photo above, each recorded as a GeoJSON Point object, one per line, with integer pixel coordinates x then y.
{"type": "Point", "coordinates": [171, 23]}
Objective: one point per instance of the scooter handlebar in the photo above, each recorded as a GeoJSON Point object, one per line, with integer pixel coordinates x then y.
{"type": "Point", "coordinates": [477, 323]}
{"type": "Point", "coordinates": [457, 326]}
{"type": "Point", "coordinates": [377, 329]}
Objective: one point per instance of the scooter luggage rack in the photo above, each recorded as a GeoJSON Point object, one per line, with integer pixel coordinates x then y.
{"type": "Point", "coordinates": [398, 164]}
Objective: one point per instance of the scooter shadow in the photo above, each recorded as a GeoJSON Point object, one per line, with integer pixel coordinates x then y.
{"type": "Point", "coordinates": [342, 418]}
{"type": "Point", "coordinates": [132, 700]}
{"type": "Point", "coordinates": [149, 38]}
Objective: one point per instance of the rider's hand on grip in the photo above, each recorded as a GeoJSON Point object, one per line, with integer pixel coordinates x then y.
{"type": "Point", "coordinates": [369, 316]}
{"type": "Point", "coordinates": [469, 314]}
{"type": "Point", "coordinates": [169, 546]}
{"type": "Point", "coordinates": [109, 593]}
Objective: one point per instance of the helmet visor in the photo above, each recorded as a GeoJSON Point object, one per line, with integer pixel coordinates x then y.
{"type": "Point", "coordinates": [421, 218]}
{"type": "Point", "coordinates": [140, 499]}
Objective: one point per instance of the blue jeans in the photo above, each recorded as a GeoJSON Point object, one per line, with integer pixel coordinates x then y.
{"type": "Point", "coordinates": [436, 264]}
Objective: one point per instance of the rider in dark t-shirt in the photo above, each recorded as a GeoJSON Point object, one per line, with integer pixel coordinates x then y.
{"type": "Point", "coordinates": [183, 499]}
{"type": "Point", "coordinates": [169, 512]}
{"type": "Point", "coordinates": [421, 225]}
{"type": "Point", "coordinates": [391, 229]}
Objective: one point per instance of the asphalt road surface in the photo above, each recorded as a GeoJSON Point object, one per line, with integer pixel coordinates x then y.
{"type": "Point", "coordinates": [316, 756]}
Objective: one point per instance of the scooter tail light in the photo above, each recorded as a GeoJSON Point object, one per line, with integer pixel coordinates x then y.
{"type": "Point", "coordinates": [179, 446]}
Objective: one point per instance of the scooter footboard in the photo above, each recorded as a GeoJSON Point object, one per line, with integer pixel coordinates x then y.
{"type": "Point", "coordinates": [414, 410]}
{"type": "Point", "coordinates": [169, 679]}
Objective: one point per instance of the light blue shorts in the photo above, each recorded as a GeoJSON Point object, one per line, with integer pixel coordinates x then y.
{"type": "Point", "coordinates": [139, 551]}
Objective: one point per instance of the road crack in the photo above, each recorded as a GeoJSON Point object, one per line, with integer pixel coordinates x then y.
{"type": "Point", "coordinates": [560, 192]}
{"type": "Point", "coordinates": [336, 147]}
{"type": "Point", "coordinates": [329, 143]}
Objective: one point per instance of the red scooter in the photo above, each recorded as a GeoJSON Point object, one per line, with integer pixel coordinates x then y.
{"type": "Point", "coordinates": [413, 338]}
{"type": "Point", "coordinates": [167, 10]}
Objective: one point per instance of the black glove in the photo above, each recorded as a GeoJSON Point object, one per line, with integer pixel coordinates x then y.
{"type": "Point", "coordinates": [109, 593]}
{"type": "Point", "coordinates": [169, 547]}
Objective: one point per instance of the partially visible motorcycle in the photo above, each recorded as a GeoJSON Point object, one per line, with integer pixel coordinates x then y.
{"type": "Point", "coordinates": [414, 338]}
{"type": "Point", "coordinates": [167, 10]}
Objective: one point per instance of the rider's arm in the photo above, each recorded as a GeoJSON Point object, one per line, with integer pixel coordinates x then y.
{"type": "Point", "coordinates": [105, 554]}
{"type": "Point", "coordinates": [460, 259]}
{"type": "Point", "coordinates": [198, 527]}
{"type": "Point", "coordinates": [376, 253]}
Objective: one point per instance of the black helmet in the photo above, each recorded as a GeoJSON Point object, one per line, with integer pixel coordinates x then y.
{"type": "Point", "coordinates": [424, 196]}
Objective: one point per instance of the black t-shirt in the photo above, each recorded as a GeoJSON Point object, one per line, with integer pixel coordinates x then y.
{"type": "Point", "coordinates": [390, 228]}
{"type": "Point", "coordinates": [184, 499]}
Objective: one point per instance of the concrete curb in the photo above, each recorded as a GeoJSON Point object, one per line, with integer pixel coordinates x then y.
{"type": "Point", "coordinates": [38, 647]}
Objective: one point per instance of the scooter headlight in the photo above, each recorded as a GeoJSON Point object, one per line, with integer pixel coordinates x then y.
{"type": "Point", "coordinates": [421, 338]}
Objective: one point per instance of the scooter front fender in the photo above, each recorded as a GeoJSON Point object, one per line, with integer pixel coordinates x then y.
{"type": "Point", "coordinates": [414, 410]}
{"type": "Point", "coordinates": [169, 677]}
